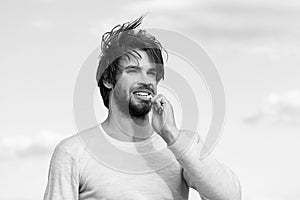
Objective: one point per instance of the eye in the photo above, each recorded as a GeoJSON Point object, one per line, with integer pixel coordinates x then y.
{"type": "Point", "coordinates": [131, 71]}
{"type": "Point", "coordinates": [152, 73]}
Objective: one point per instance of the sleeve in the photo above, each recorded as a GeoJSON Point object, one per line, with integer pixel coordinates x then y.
{"type": "Point", "coordinates": [212, 180]}
{"type": "Point", "coordinates": [63, 176]}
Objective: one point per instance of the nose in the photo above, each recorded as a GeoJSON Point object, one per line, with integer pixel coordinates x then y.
{"type": "Point", "coordinates": [146, 79]}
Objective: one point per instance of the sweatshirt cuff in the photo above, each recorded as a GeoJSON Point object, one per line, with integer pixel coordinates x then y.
{"type": "Point", "coordinates": [183, 143]}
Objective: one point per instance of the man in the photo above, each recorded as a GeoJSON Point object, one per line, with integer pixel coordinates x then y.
{"type": "Point", "coordinates": [130, 67]}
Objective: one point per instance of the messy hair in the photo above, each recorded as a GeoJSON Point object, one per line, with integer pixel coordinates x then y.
{"type": "Point", "coordinates": [124, 41]}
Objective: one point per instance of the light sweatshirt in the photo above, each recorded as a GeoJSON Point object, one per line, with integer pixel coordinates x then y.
{"type": "Point", "coordinates": [91, 166]}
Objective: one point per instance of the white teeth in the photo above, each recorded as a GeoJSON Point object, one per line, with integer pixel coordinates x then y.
{"type": "Point", "coordinates": [144, 94]}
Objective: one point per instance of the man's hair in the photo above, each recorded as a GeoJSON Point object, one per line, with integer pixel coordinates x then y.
{"type": "Point", "coordinates": [124, 41]}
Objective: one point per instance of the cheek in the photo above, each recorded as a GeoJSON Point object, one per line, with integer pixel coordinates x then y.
{"type": "Point", "coordinates": [122, 88]}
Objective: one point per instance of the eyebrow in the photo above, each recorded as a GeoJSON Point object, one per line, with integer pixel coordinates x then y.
{"type": "Point", "coordinates": [132, 67]}
{"type": "Point", "coordinates": [138, 68]}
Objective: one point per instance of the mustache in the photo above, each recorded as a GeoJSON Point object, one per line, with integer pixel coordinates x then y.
{"type": "Point", "coordinates": [146, 87]}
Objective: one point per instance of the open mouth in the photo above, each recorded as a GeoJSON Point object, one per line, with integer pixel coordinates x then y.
{"type": "Point", "coordinates": [143, 95]}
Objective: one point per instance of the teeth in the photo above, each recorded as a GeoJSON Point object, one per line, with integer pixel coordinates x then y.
{"type": "Point", "coordinates": [144, 94]}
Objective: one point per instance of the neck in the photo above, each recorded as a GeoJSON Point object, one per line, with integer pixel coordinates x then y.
{"type": "Point", "coordinates": [127, 128]}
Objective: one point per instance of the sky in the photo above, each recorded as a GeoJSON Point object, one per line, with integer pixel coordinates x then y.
{"type": "Point", "coordinates": [255, 46]}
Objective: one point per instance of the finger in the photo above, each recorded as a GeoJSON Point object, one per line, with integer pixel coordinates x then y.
{"type": "Point", "coordinates": [158, 100]}
{"type": "Point", "coordinates": [157, 108]}
{"type": "Point", "coordinates": [156, 105]}
{"type": "Point", "coordinates": [155, 98]}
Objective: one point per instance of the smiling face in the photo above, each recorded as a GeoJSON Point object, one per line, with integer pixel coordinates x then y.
{"type": "Point", "coordinates": [136, 85]}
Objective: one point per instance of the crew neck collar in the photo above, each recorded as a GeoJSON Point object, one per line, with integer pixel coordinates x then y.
{"type": "Point", "coordinates": [125, 144]}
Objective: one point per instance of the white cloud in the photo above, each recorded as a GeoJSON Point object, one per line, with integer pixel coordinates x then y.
{"type": "Point", "coordinates": [42, 23]}
{"type": "Point", "coordinates": [279, 108]}
{"type": "Point", "coordinates": [264, 197]}
{"type": "Point", "coordinates": [234, 20]}
{"type": "Point", "coordinates": [158, 5]}
{"type": "Point", "coordinates": [99, 27]}
{"type": "Point", "coordinates": [42, 1]}
{"type": "Point", "coordinates": [25, 145]}
{"type": "Point", "coordinates": [273, 48]}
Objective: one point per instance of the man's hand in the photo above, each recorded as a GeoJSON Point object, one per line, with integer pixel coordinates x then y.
{"type": "Point", "coordinates": [163, 121]}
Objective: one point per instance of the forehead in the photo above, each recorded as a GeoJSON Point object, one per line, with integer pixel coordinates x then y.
{"type": "Point", "coordinates": [142, 61]}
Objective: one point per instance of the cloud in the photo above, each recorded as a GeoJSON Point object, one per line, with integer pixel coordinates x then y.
{"type": "Point", "coordinates": [25, 145]}
{"type": "Point", "coordinates": [157, 5]}
{"type": "Point", "coordinates": [99, 27]}
{"type": "Point", "coordinates": [42, 1]}
{"type": "Point", "coordinates": [42, 24]}
{"type": "Point", "coordinates": [230, 20]}
{"type": "Point", "coordinates": [234, 20]}
{"type": "Point", "coordinates": [238, 20]}
{"type": "Point", "coordinates": [264, 197]}
{"type": "Point", "coordinates": [279, 108]}
{"type": "Point", "coordinates": [273, 49]}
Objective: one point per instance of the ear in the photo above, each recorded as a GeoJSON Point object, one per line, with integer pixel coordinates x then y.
{"type": "Point", "coordinates": [107, 84]}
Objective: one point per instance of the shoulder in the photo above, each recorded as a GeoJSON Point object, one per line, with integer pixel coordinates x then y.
{"type": "Point", "coordinates": [66, 151]}
{"type": "Point", "coordinates": [75, 145]}
{"type": "Point", "coordinates": [70, 144]}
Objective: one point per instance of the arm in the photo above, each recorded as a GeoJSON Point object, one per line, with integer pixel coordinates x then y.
{"type": "Point", "coordinates": [213, 180]}
{"type": "Point", "coordinates": [63, 181]}
{"type": "Point", "coordinates": [210, 178]}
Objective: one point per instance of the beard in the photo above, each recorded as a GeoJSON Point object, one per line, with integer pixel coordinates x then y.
{"type": "Point", "coordinates": [135, 108]}
{"type": "Point", "coordinates": [139, 109]}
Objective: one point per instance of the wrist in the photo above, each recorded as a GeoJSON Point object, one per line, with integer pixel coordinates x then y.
{"type": "Point", "coordinates": [170, 135]}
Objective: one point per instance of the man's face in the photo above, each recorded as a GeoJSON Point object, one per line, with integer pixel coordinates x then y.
{"type": "Point", "coordinates": [135, 86]}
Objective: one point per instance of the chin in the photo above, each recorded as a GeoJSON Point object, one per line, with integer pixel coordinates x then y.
{"type": "Point", "coordinates": [140, 109]}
